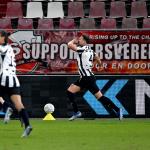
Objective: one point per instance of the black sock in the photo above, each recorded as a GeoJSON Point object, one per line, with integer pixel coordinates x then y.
{"type": "Point", "coordinates": [24, 116]}
{"type": "Point", "coordinates": [73, 103]}
{"type": "Point", "coordinates": [108, 103]}
{"type": "Point", "coordinates": [5, 106]}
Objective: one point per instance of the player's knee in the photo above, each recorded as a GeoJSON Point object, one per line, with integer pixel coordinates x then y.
{"type": "Point", "coordinates": [98, 95]}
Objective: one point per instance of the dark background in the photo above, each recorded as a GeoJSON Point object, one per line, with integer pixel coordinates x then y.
{"type": "Point", "coordinates": [39, 90]}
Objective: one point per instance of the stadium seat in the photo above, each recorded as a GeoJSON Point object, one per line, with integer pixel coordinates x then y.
{"type": "Point", "coordinates": [138, 9]}
{"type": "Point", "coordinates": [67, 24]}
{"type": "Point", "coordinates": [97, 9]}
{"type": "Point", "coordinates": [45, 24]}
{"type": "Point", "coordinates": [109, 23]}
{"type": "Point", "coordinates": [5, 23]}
{"type": "Point", "coordinates": [34, 10]}
{"type": "Point", "coordinates": [55, 10]}
{"type": "Point", "coordinates": [128, 23]}
{"type": "Point", "coordinates": [146, 23]}
{"type": "Point", "coordinates": [86, 23]}
{"type": "Point", "coordinates": [14, 10]}
{"type": "Point", "coordinates": [2, 10]}
{"type": "Point", "coordinates": [25, 23]}
{"type": "Point", "coordinates": [117, 9]}
{"type": "Point", "coordinates": [75, 9]}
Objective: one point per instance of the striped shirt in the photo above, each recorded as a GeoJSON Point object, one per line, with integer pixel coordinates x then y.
{"type": "Point", "coordinates": [8, 67]}
{"type": "Point", "coordinates": [85, 60]}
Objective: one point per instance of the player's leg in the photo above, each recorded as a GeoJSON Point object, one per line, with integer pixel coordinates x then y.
{"type": "Point", "coordinates": [103, 99]}
{"type": "Point", "coordinates": [71, 91]}
{"type": "Point", "coordinates": [16, 99]}
{"type": "Point", "coordinates": [6, 106]}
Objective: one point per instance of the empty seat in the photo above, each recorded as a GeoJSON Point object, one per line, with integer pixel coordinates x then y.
{"type": "Point", "coordinates": [109, 23]}
{"type": "Point", "coordinates": [146, 23]}
{"type": "Point", "coordinates": [67, 24]}
{"type": "Point", "coordinates": [117, 9]}
{"type": "Point", "coordinates": [45, 24]}
{"type": "Point", "coordinates": [86, 23]}
{"type": "Point", "coordinates": [55, 10]}
{"type": "Point", "coordinates": [5, 23]}
{"type": "Point", "coordinates": [75, 9]}
{"type": "Point", "coordinates": [138, 9]}
{"type": "Point", "coordinates": [14, 10]}
{"type": "Point", "coordinates": [25, 23]}
{"type": "Point", "coordinates": [97, 9]}
{"type": "Point", "coordinates": [34, 10]}
{"type": "Point", "coordinates": [128, 23]}
{"type": "Point", "coordinates": [2, 10]}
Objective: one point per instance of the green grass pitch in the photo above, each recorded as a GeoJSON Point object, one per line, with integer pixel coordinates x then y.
{"type": "Point", "coordinates": [99, 134]}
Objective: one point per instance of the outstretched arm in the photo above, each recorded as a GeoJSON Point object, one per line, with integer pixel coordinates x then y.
{"type": "Point", "coordinates": [73, 44]}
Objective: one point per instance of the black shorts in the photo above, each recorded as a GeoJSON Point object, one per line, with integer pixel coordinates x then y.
{"type": "Point", "coordinates": [9, 91]}
{"type": "Point", "coordinates": [88, 83]}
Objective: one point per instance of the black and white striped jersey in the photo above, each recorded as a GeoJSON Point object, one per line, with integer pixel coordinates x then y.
{"type": "Point", "coordinates": [85, 60]}
{"type": "Point", "coordinates": [8, 67]}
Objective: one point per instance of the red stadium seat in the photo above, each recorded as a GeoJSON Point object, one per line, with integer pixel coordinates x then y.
{"type": "Point", "coordinates": [87, 23]}
{"type": "Point", "coordinates": [97, 9]}
{"type": "Point", "coordinates": [67, 24]}
{"type": "Point", "coordinates": [117, 9]}
{"type": "Point", "coordinates": [109, 23]}
{"type": "Point", "coordinates": [2, 10]}
{"type": "Point", "coordinates": [138, 9]}
{"type": "Point", "coordinates": [146, 23]}
{"type": "Point", "coordinates": [128, 23]}
{"type": "Point", "coordinates": [75, 9]}
{"type": "Point", "coordinates": [5, 23]}
{"type": "Point", "coordinates": [25, 23]}
{"type": "Point", "coordinates": [14, 10]}
{"type": "Point", "coordinates": [45, 24]}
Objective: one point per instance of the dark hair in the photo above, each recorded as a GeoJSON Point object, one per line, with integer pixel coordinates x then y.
{"type": "Point", "coordinates": [4, 34]}
{"type": "Point", "coordinates": [86, 38]}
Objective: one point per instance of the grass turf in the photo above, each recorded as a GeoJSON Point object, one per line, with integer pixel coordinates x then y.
{"type": "Point", "coordinates": [100, 134]}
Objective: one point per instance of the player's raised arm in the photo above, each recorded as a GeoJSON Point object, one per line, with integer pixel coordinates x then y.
{"type": "Point", "coordinates": [97, 59]}
{"type": "Point", "coordinates": [73, 44]}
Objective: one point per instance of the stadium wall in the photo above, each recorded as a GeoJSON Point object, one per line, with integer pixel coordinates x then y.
{"type": "Point", "coordinates": [132, 93]}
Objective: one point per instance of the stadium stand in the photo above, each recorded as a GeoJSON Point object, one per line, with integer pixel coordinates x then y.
{"type": "Point", "coordinates": [86, 23]}
{"type": "Point", "coordinates": [117, 9]}
{"type": "Point", "coordinates": [138, 9]}
{"type": "Point", "coordinates": [97, 9]}
{"type": "Point", "coordinates": [34, 10]}
{"type": "Point", "coordinates": [67, 24]}
{"type": "Point", "coordinates": [11, 10]}
{"type": "Point", "coordinates": [75, 9]}
{"type": "Point", "coordinates": [128, 23]}
{"type": "Point", "coordinates": [146, 23]}
{"type": "Point", "coordinates": [109, 23]}
{"type": "Point", "coordinates": [5, 23]}
{"type": "Point", "coordinates": [45, 24]}
{"type": "Point", "coordinates": [25, 23]}
{"type": "Point", "coordinates": [70, 14]}
{"type": "Point", "coordinates": [55, 10]}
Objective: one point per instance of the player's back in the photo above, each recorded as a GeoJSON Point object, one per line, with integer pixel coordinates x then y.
{"type": "Point", "coordinates": [7, 58]}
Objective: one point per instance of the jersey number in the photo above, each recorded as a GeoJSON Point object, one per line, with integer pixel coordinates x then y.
{"type": "Point", "coordinates": [91, 58]}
